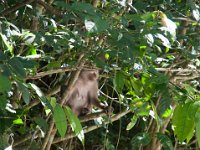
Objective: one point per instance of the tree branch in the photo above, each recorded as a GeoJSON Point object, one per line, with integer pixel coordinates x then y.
{"type": "Point", "coordinates": [40, 2]}
{"type": "Point", "coordinates": [71, 135]}
{"type": "Point", "coordinates": [15, 7]}
{"type": "Point", "coordinates": [50, 8]}
{"type": "Point", "coordinates": [67, 69]}
{"type": "Point", "coordinates": [50, 72]}
{"type": "Point", "coordinates": [91, 128]}
{"type": "Point", "coordinates": [177, 70]}
{"type": "Point", "coordinates": [92, 116]}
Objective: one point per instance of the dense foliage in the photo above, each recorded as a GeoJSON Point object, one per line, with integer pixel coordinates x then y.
{"type": "Point", "coordinates": [148, 56]}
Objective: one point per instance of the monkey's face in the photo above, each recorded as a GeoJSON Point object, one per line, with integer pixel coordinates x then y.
{"type": "Point", "coordinates": [91, 75]}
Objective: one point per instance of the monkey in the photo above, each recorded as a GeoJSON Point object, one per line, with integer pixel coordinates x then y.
{"type": "Point", "coordinates": [83, 94]}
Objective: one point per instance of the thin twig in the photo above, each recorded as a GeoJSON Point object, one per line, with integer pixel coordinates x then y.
{"type": "Point", "coordinates": [92, 116]}
{"type": "Point", "coordinates": [22, 140]}
{"type": "Point", "coordinates": [40, 2]}
{"type": "Point", "coordinates": [177, 70]}
{"type": "Point", "coordinates": [185, 78]}
{"type": "Point", "coordinates": [50, 72]}
{"type": "Point", "coordinates": [15, 7]}
{"type": "Point", "coordinates": [51, 9]}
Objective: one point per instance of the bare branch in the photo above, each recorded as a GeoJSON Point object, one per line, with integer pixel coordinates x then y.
{"type": "Point", "coordinates": [91, 128]}
{"type": "Point", "coordinates": [177, 70]}
{"type": "Point", "coordinates": [184, 78]}
{"type": "Point", "coordinates": [50, 8]}
{"type": "Point", "coordinates": [92, 116]}
{"type": "Point", "coordinates": [66, 69]}
{"type": "Point", "coordinates": [50, 72]}
{"type": "Point", "coordinates": [15, 7]}
{"type": "Point", "coordinates": [71, 135]}
{"type": "Point", "coordinates": [22, 140]}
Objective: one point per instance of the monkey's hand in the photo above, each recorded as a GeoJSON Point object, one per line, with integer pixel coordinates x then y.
{"type": "Point", "coordinates": [108, 110]}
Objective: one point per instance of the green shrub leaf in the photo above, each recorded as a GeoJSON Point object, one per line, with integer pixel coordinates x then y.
{"type": "Point", "coordinates": [183, 121]}
{"type": "Point", "coordinates": [75, 124]}
{"type": "Point", "coordinates": [5, 84]}
{"type": "Point", "coordinates": [18, 121]}
{"type": "Point", "coordinates": [165, 141]}
{"type": "Point", "coordinates": [119, 81]}
{"type": "Point", "coordinates": [17, 67]}
{"type": "Point", "coordinates": [25, 92]}
{"type": "Point", "coordinates": [60, 120]}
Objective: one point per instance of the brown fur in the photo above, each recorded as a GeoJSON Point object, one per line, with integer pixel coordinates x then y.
{"type": "Point", "coordinates": [84, 94]}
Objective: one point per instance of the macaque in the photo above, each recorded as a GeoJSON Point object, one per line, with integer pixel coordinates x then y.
{"type": "Point", "coordinates": [83, 94]}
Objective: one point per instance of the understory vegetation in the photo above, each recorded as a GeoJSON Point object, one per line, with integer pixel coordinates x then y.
{"type": "Point", "coordinates": [147, 53]}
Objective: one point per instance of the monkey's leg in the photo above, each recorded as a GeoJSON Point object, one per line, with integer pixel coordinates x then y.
{"type": "Point", "coordinates": [84, 111]}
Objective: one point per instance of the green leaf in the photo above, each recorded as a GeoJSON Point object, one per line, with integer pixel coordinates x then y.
{"type": "Point", "coordinates": [34, 146]}
{"type": "Point", "coordinates": [183, 121]}
{"type": "Point", "coordinates": [60, 120]}
{"type": "Point", "coordinates": [197, 123]}
{"type": "Point", "coordinates": [101, 64]}
{"type": "Point", "coordinates": [75, 124]}
{"type": "Point", "coordinates": [132, 123]}
{"type": "Point", "coordinates": [28, 38]}
{"type": "Point", "coordinates": [101, 24]}
{"type": "Point", "coordinates": [2, 56]}
{"type": "Point", "coordinates": [148, 17]}
{"type": "Point", "coordinates": [37, 89]}
{"type": "Point", "coordinates": [25, 92]}
{"type": "Point", "coordinates": [83, 7]}
{"type": "Point", "coordinates": [119, 81]}
{"type": "Point", "coordinates": [41, 96]}
{"type": "Point", "coordinates": [142, 108]}
{"type": "Point", "coordinates": [52, 101]}
{"type": "Point", "coordinates": [41, 122]}
{"type": "Point", "coordinates": [140, 139]}
{"type": "Point", "coordinates": [5, 70]}
{"type": "Point", "coordinates": [18, 121]}
{"type": "Point", "coordinates": [165, 42]}
{"type": "Point", "coordinates": [167, 113]}
{"type": "Point", "coordinates": [164, 104]}
{"type": "Point", "coordinates": [165, 141]}
{"type": "Point", "coordinates": [62, 4]}
{"type": "Point", "coordinates": [161, 79]}
{"type": "Point", "coordinates": [17, 67]}
{"type": "Point", "coordinates": [7, 43]}
{"type": "Point", "coordinates": [3, 101]}
{"type": "Point", "coordinates": [52, 65]}
{"type": "Point", "coordinates": [27, 63]}
{"type": "Point", "coordinates": [5, 84]}
{"type": "Point", "coordinates": [137, 86]}
{"type": "Point", "coordinates": [141, 5]}
{"type": "Point", "coordinates": [4, 141]}
{"type": "Point", "coordinates": [32, 50]}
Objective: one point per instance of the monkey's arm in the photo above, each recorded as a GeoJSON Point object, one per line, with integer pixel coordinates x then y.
{"type": "Point", "coordinates": [107, 109]}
